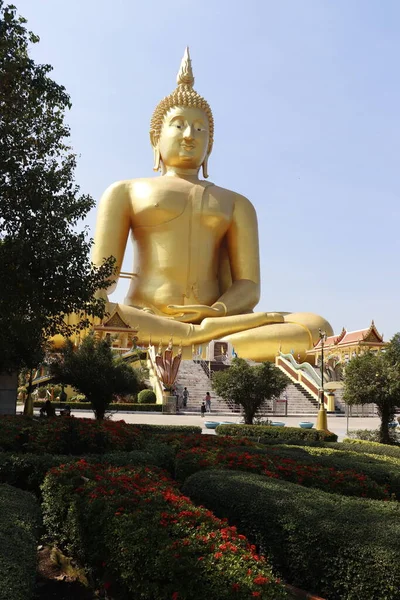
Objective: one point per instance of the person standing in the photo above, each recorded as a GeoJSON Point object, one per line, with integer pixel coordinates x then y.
{"type": "Point", "coordinates": [207, 401]}
{"type": "Point", "coordinates": [185, 395]}
{"type": "Point", "coordinates": [203, 409]}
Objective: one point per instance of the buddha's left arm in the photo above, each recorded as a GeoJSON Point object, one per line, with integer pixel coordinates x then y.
{"type": "Point", "coordinates": [243, 251]}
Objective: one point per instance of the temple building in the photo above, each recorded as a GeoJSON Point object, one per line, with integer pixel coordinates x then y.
{"type": "Point", "coordinates": [348, 344]}
{"type": "Point", "coordinates": [122, 337]}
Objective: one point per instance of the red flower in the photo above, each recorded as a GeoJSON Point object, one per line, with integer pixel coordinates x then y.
{"type": "Point", "coordinates": [235, 587]}
{"type": "Point", "coordinates": [175, 596]}
{"type": "Point", "coordinates": [260, 580]}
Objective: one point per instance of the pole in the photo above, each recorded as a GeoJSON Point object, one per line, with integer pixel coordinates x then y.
{"type": "Point", "coordinates": [322, 373]}
{"type": "Point", "coordinates": [322, 421]}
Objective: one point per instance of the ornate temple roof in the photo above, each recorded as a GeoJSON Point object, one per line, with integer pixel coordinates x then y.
{"type": "Point", "coordinates": [364, 337]}
{"type": "Point", "coordinates": [113, 322]}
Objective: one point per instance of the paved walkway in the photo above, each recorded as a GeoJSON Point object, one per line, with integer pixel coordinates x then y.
{"type": "Point", "coordinates": [336, 424]}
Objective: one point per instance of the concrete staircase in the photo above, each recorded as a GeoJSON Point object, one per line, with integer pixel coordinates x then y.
{"type": "Point", "coordinates": [299, 402]}
{"type": "Point", "coordinates": [192, 376]}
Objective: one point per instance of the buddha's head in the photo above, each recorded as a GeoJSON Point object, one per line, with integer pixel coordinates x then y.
{"type": "Point", "coordinates": [182, 126]}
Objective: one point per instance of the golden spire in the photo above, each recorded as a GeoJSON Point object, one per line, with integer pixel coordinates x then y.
{"type": "Point", "coordinates": [185, 74]}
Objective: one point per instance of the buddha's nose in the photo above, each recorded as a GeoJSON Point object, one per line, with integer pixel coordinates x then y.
{"type": "Point", "coordinates": [188, 132]}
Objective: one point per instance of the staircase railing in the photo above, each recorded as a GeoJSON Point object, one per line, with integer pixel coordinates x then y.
{"type": "Point", "coordinates": [302, 374]}
{"type": "Point", "coordinates": [205, 366]}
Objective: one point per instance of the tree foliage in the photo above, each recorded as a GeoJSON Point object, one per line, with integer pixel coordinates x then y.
{"type": "Point", "coordinates": [95, 371]}
{"type": "Point", "coordinates": [375, 378]}
{"type": "Point", "coordinates": [249, 386]}
{"type": "Point", "coordinates": [45, 271]}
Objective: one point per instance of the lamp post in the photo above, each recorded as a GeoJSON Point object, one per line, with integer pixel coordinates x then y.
{"type": "Point", "coordinates": [322, 421]}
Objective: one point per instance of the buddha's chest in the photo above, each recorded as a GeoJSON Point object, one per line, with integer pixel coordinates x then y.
{"type": "Point", "coordinates": [180, 205]}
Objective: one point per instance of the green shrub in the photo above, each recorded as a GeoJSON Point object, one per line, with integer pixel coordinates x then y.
{"type": "Point", "coordinates": [137, 533]}
{"type": "Point", "coordinates": [371, 447]}
{"type": "Point", "coordinates": [373, 435]}
{"type": "Point", "coordinates": [331, 545]}
{"type": "Point", "coordinates": [20, 521]}
{"type": "Point", "coordinates": [27, 471]}
{"type": "Point", "coordinates": [113, 406]}
{"type": "Point", "coordinates": [266, 434]}
{"type": "Point", "coordinates": [167, 429]}
{"type": "Point", "coordinates": [78, 398]}
{"type": "Point", "coordinates": [147, 397]}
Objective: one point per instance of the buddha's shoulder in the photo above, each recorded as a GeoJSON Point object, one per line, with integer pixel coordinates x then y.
{"type": "Point", "coordinates": [235, 197]}
{"type": "Point", "coordinates": [129, 187]}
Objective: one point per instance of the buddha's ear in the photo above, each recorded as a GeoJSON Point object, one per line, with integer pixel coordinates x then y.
{"type": "Point", "coordinates": [157, 158]}
{"type": "Point", "coordinates": [156, 151]}
{"type": "Point", "coordinates": [205, 167]}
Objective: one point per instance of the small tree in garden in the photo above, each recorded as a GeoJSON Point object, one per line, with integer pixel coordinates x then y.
{"type": "Point", "coordinates": [249, 386]}
{"type": "Point", "coordinates": [96, 372]}
{"type": "Point", "coordinates": [375, 378]}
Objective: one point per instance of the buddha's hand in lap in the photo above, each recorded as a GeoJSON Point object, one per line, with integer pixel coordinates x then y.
{"type": "Point", "coordinates": [194, 313]}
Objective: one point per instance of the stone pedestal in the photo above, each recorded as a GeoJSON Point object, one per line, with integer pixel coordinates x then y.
{"type": "Point", "coordinates": [8, 393]}
{"type": "Point", "coordinates": [169, 405]}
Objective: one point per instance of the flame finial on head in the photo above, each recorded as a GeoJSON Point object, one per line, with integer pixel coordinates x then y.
{"type": "Point", "coordinates": [185, 74]}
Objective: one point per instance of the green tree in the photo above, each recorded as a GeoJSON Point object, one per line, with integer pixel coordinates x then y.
{"type": "Point", "coordinates": [249, 386]}
{"type": "Point", "coordinates": [95, 371]}
{"type": "Point", "coordinates": [45, 271]}
{"type": "Point", "coordinates": [375, 378]}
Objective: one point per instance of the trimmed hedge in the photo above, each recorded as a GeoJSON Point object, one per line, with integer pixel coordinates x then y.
{"type": "Point", "coordinates": [147, 397]}
{"type": "Point", "coordinates": [20, 521]}
{"type": "Point", "coordinates": [383, 470]}
{"type": "Point", "coordinates": [372, 447]}
{"type": "Point", "coordinates": [27, 471]}
{"type": "Point", "coordinates": [127, 406]}
{"type": "Point", "coordinates": [167, 429]}
{"type": "Point", "coordinates": [332, 545]}
{"type": "Point", "coordinates": [143, 539]}
{"type": "Point", "coordinates": [267, 433]}
{"type": "Point", "coordinates": [270, 463]}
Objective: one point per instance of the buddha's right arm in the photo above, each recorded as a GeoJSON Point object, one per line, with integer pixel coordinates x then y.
{"type": "Point", "coordinates": [112, 227]}
{"type": "Point", "coordinates": [242, 244]}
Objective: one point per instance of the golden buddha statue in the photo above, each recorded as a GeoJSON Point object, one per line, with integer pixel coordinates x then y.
{"type": "Point", "coordinates": [196, 274]}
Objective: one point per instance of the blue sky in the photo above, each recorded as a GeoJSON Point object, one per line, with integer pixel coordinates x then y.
{"type": "Point", "coordinates": [305, 96]}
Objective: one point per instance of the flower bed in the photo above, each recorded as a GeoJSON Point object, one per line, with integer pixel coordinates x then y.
{"type": "Point", "coordinates": [195, 440]}
{"type": "Point", "coordinates": [144, 539]}
{"type": "Point", "coordinates": [27, 471]}
{"type": "Point", "coordinates": [384, 470]}
{"type": "Point", "coordinates": [67, 435]}
{"type": "Point", "coordinates": [330, 545]}
{"type": "Point", "coordinates": [270, 464]}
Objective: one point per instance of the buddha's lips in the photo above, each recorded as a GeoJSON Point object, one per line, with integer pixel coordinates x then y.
{"type": "Point", "coordinates": [188, 146]}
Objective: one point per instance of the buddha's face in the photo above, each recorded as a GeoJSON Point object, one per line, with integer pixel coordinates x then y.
{"type": "Point", "coordinates": [184, 138]}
